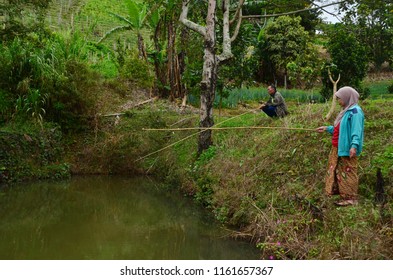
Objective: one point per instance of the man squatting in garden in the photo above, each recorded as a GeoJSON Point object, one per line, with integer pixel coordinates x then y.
{"type": "Point", "coordinates": [275, 106]}
{"type": "Point", "coordinates": [347, 142]}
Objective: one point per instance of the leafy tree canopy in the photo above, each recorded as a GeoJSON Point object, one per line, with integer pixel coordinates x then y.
{"type": "Point", "coordinates": [284, 41]}
{"type": "Point", "coordinates": [374, 22]}
{"type": "Point", "coordinates": [349, 57]}
{"type": "Point", "coordinates": [309, 19]}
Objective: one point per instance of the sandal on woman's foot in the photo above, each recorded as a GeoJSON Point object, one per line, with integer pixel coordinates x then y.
{"type": "Point", "coordinates": [346, 202]}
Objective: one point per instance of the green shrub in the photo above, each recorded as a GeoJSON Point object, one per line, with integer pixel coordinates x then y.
{"type": "Point", "coordinates": [256, 94]}
{"type": "Point", "coordinates": [73, 103]}
{"type": "Point", "coordinates": [390, 88]}
{"type": "Point", "coordinates": [137, 71]}
{"type": "Point", "coordinates": [48, 77]}
{"type": "Point", "coordinates": [29, 151]}
{"type": "Point", "coordinates": [364, 93]}
{"type": "Point", "coordinates": [32, 105]}
{"type": "Point", "coordinates": [5, 106]}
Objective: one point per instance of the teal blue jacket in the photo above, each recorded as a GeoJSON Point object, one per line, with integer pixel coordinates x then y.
{"type": "Point", "coordinates": [351, 131]}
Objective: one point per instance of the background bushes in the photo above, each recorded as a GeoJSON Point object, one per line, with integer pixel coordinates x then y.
{"type": "Point", "coordinates": [44, 148]}
{"type": "Point", "coordinates": [48, 77]}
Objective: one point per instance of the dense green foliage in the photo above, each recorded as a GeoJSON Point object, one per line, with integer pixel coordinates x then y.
{"type": "Point", "coordinates": [20, 17]}
{"type": "Point", "coordinates": [309, 19]}
{"type": "Point", "coordinates": [390, 88]}
{"type": "Point", "coordinates": [374, 22]}
{"type": "Point", "coordinates": [349, 58]}
{"type": "Point", "coordinates": [48, 77]}
{"type": "Point", "coordinates": [31, 152]}
{"type": "Point", "coordinates": [242, 69]}
{"type": "Point", "coordinates": [57, 86]}
{"type": "Point", "coordinates": [137, 71]}
{"type": "Point", "coordinates": [287, 49]}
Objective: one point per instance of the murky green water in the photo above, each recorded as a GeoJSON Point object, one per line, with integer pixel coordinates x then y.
{"type": "Point", "coordinates": [109, 218]}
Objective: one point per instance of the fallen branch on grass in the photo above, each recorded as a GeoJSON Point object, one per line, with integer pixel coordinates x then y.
{"type": "Point", "coordinates": [133, 106]}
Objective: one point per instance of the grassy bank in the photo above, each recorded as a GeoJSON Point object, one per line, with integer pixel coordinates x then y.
{"type": "Point", "coordinates": [266, 183]}
{"type": "Point", "coordinates": [30, 152]}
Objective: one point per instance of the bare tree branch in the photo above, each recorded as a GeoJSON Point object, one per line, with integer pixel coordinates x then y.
{"type": "Point", "coordinates": [238, 10]}
{"type": "Point", "coordinates": [239, 16]}
{"type": "Point", "coordinates": [294, 12]}
{"type": "Point", "coordinates": [326, 11]}
{"type": "Point", "coordinates": [226, 41]}
{"type": "Point", "coordinates": [192, 25]}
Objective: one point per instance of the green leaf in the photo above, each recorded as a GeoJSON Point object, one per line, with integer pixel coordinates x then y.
{"type": "Point", "coordinates": [114, 30]}
{"type": "Point", "coordinates": [261, 35]}
{"type": "Point", "coordinates": [135, 13]}
{"type": "Point", "coordinates": [122, 18]}
{"type": "Point", "coordinates": [155, 18]}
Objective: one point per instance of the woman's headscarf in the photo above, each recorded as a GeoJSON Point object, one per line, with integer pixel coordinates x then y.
{"type": "Point", "coordinates": [350, 97]}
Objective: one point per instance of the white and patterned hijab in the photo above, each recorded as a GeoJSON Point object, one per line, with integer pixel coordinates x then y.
{"type": "Point", "coordinates": [350, 97]}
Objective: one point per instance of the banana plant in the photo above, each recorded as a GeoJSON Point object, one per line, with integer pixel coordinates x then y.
{"type": "Point", "coordinates": [136, 19]}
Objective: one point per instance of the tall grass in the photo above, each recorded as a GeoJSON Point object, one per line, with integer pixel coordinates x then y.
{"type": "Point", "coordinates": [245, 95]}
{"type": "Point", "coordinates": [93, 18]}
{"type": "Point", "coordinates": [50, 77]}
{"type": "Point", "coordinates": [379, 90]}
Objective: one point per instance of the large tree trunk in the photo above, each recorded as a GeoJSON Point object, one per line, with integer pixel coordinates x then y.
{"type": "Point", "coordinates": [168, 71]}
{"type": "Point", "coordinates": [182, 65]}
{"type": "Point", "coordinates": [173, 63]}
{"type": "Point", "coordinates": [161, 79]}
{"type": "Point", "coordinates": [211, 61]}
{"type": "Point", "coordinates": [208, 83]}
{"type": "Point", "coordinates": [141, 47]}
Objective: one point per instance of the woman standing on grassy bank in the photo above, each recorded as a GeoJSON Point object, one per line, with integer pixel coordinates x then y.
{"type": "Point", "coordinates": [347, 142]}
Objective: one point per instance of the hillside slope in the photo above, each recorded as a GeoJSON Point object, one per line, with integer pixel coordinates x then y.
{"type": "Point", "coordinates": [92, 17]}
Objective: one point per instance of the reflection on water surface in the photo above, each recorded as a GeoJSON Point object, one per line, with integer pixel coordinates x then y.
{"type": "Point", "coordinates": [109, 218]}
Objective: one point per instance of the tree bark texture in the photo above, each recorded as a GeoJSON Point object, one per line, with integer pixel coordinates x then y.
{"type": "Point", "coordinates": [211, 61]}
{"type": "Point", "coordinates": [173, 63]}
{"type": "Point", "coordinates": [141, 47]}
{"type": "Point", "coordinates": [159, 88]}
{"type": "Point", "coordinates": [209, 77]}
{"type": "Point", "coordinates": [168, 71]}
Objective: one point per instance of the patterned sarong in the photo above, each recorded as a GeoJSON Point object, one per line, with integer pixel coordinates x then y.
{"type": "Point", "coordinates": [342, 176]}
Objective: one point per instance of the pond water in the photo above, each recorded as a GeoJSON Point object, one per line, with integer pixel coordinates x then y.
{"type": "Point", "coordinates": [111, 218]}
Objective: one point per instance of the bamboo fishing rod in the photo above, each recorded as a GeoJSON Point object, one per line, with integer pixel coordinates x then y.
{"type": "Point", "coordinates": [189, 136]}
{"type": "Point", "coordinates": [227, 128]}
